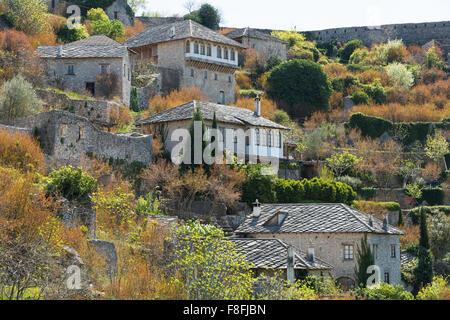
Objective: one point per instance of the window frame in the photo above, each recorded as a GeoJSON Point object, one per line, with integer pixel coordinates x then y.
{"type": "Point", "coordinates": [393, 251]}
{"type": "Point", "coordinates": [349, 254]}
{"type": "Point", "coordinates": [70, 69]}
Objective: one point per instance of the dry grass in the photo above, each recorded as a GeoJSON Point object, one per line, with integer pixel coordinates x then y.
{"type": "Point", "coordinates": [409, 113]}
{"type": "Point", "coordinates": [412, 234]}
{"type": "Point", "coordinates": [175, 98]}
{"type": "Point", "coordinates": [268, 107]}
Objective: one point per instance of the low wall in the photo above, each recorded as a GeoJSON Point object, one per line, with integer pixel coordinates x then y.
{"type": "Point", "coordinates": [97, 111]}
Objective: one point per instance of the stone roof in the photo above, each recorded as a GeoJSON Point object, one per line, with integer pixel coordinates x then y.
{"type": "Point", "coordinates": [158, 21]}
{"type": "Point", "coordinates": [252, 33]}
{"type": "Point", "coordinates": [272, 253]}
{"type": "Point", "coordinates": [92, 47]}
{"type": "Point", "coordinates": [182, 30]}
{"type": "Point", "coordinates": [224, 114]}
{"type": "Point", "coordinates": [313, 218]}
{"type": "Point", "coordinates": [406, 258]}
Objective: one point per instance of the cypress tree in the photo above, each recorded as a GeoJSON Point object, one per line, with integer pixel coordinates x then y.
{"type": "Point", "coordinates": [364, 258]}
{"type": "Point", "coordinates": [424, 238]}
{"type": "Point", "coordinates": [214, 129]}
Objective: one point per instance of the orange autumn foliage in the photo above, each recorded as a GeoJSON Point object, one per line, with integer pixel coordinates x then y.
{"type": "Point", "coordinates": [175, 98]}
{"type": "Point", "coordinates": [335, 70]}
{"type": "Point", "coordinates": [131, 31]}
{"type": "Point", "coordinates": [20, 152]}
{"type": "Point", "coordinates": [408, 113]}
{"type": "Point", "coordinates": [243, 81]}
{"type": "Point", "coordinates": [268, 107]}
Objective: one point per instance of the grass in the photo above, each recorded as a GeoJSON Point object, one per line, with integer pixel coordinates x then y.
{"type": "Point", "coordinates": [72, 95]}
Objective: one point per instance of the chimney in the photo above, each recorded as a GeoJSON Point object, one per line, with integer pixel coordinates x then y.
{"type": "Point", "coordinates": [290, 264]}
{"type": "Point", "coordinates": [311, 255]}
{"type": "Point", "coordinates": [258, 106]}
{"type": "Point", "coordinates": [371, 221]}
{"type": "Point", "coordinates": [386, 223]}
{"type": "Point", "coordinates": [60, 51]}
{"type": "Point", "coordinates": [256, 209]}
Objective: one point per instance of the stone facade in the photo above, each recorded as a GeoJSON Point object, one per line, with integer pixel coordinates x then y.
{"type": "Point", "coordinates": [120, 10]}
{"type": "Point", "coordinates": [96, 111]}
{"type": "Point", "coordinates": [266, 48]}
{"type": "Point", "coordinates": [185, 69]}
{"type": "Point", "coordinates": [85, 72]}
{"type": "Point", "coordinates": [329, 247]}
{"type": "Point", "coordinates": [66, 138]}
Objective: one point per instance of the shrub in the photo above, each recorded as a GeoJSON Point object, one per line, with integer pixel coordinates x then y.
{"type": "Point", "coordinates": [386, 291]}
{"type": "Point", "coordinates": [348, 49]}
{"type": "Point", "coordinates": [175, 98]}
{"type": "Point", "coordinates": [20, 152]}
{"type": "Point", "coordinates": [299, 84]}
{"type": "Point", "coordinates": [108, 84]}
{"type": "Point", "coordinates": [405, 113]}
{"type": "Point", "coordinates": [243, 81]}
{"type": "Point", "coordinates": [397, 95]}
{"type": "Point", "coordinates": [28, 16]}
{"type": "Point", "coordinates": [71, 183]}
{"type": "Point", "coordinates": [436, 290]}
{"type": "Point", "coordinates": [439, 230]}
{"type": "Point", "coordinates": [400, 75]}
{"type": "Point", "coordinates": [367, 193]}
{"type": "Point", "coordinates": [415, 213]}
{"type": "Point", "coordinates": [376, 92]}
{"type": "Point", "coordinates": [101, 24]}
{"type": "Point", "coordinates": [268, 107]}
{"type": "Point", "coordinates": [258, 186]}
{"type": "Point", "coordinates": [353, 182]}
{"type": "Point", "coordinates": [429, 76]}
{"type": "Point", "coordinates": [19, 99]}
{"type": "Point", "coordinates": [433, 196]}
{"type": "Point", "coordinates": [360, 97]}
{"type": "Point", "coordinates": [134, 101]}
{"type": "Point", "coordinates": [280, 117]}
{"type": "Point", "coordinates": [78, 32]}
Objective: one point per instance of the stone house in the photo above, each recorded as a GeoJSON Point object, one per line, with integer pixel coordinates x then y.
{"type": "Point", "coordinates": [271, 255]}
{"type": "Point", "coordinates": [330, 232]}
{"type": "Point", "coordinates": [67, 138]}
{"type": "Point", "coordinates": [76, 66]}
{"type": "Point", "coordinates": [265, 44]}
{"type": "Point", "coordinates": [264, 138]}
{"type": "Point", "coordinates": [190, 55]}
{"type": "Point", "coordinates": [120, 10]}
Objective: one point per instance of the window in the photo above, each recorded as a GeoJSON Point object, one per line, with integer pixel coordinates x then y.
{"type": "Point", "coordinates": [258, 138]}
{"type": "Point", "coordinates": [386, 277]}
{"type": "Point", "coordinates": [348, 252]}
{"type": "Point", "coordinates": [124, 70]}
{"type": "Point", "coordinates": [219, 52]}
{"type": "Point", "coordinates": [393, 251]}
{"type": "Point", "coordinates": [216, 77]}
{"type": "Point", "coordinates": [192, 73]}
{"type": "Point", "coordinates": [81, 133]}
{"type": "Point", "coordinates": [205, 76]}
{"type": "Point", "coordinates": [229, 79]}
{"type": "Point", "coordinates": [188, 46]}
{"type": "Point", "coordinates": [225, 56]}
{"type": "Point", "coordinates": [233, 55]}
{"type": "Point", "coordinates": [202, 49]}
{"type": "Point", "coordinates": [196, 47]}
{"type": "Point", "coordinates": [375, 250]}
{"type": "Point", "coordinates": [63, 130]}
{"type": "Point", "coordinates": [116, 15]}
{"type": "Point", "coordinates": [208, 51]}
{"type": "Point", "coordinates": [70, 70]}
{"type": "Point", "coordinates": [269, 138]}
{"type": "Point", "coordinates": [104, 68]}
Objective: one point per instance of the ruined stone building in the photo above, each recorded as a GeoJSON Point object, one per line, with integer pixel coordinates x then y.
{"type": "Point", "coordinates": [67, 138]}
{"type": "Point", "coordinates": [331, 233]}
{"type": "Point", "coordinates": [265, 44]}
{"type": "Point", "coordinates": [120, 10]}
{"type": "Point", "coordinates": [190, 55]}
{"type": "Point", "coordinates": [265, 138]}
{"type": "Point", "coordinates": [79, 65]}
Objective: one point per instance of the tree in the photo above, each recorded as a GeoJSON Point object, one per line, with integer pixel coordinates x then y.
{"type": "Point", "coordinates": [210, 266]}
{"type": "Point", "coordinates": [134, 101]}
{"type": "Point", "coordinates": [28, 16]}
{"type": "Point", "coordinates": [301, 86]}
{"type": "Point", "coordinates": [436, 148]}
{"type": "Point", "coordinates": [364, 258]}
{"type": "Point", "coordinates": [71, 183]}
{"type": "Point", "coordinates": [360, 97]}
{"type": "Point", "coordinates": [298, 46]}
{"type": "Point", "coordinates": [424, 239]}
{"type": "Point", "coordinates": [136, 4]}
{"type": "Point", "coordinates": [439, 231]}
{"type": "Point", "coordinates": [101, 24]}
{"type": "Point", "coordinates": [348, 49]}
{"type": "Point", "coordinates": [341, 162]}
{"type": "Point", "coordinates": [400, 75]}
{"type": "Point", "coordinates": [19, 99]}
{"type": "Point", "coordinates": [78, 32]}
{"type": "Point", "coordinates": [433, 60]}
{"type": "Point", "coordinates": [207, 15]}
{"type": "Point", "coordinates": [423, 272]}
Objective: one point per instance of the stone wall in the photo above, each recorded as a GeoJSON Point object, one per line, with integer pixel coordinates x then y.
{"type": "Point", "coordinates": [417, 33]}
{"type": "Point", "coordinates": [96, 111]}
{"type": "Point", "coordinates": [66, 138]}
{"type": "Point", "coordinates": [120, 7]}
{"type": "Point", "coordinates": [266, 48]}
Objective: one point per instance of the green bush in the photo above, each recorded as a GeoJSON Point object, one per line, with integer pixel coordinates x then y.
{"type": "Point", "coordinates": [134, 101]}
{"type": "Point", "coordinates": [71, 183]}
{"type": "Point", "coordinates": [301, 86]}
{"type": "Point", "coordinates": [360, 97]}
{"type": "Point", "coordinates": [348, 49]}
{"type": "Point", "coordinates": [437, 290]}
{"type": "Point", "coordinates": [386, 291]}
{"type": "Point", "coordinates": [433, 196]}
{"type": "Point", "coordinates": [66, 34]}
{"type": "Point", "coordinates": [258, 186]}
{"type": "Point", "coordinates": [376, 92]}
{"type": "Point", "coordinates": [367, 193]}
{"type": "Point", "coordinates": [415, 213]}
{"type": "Point", "coordinates": [353, 182]}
